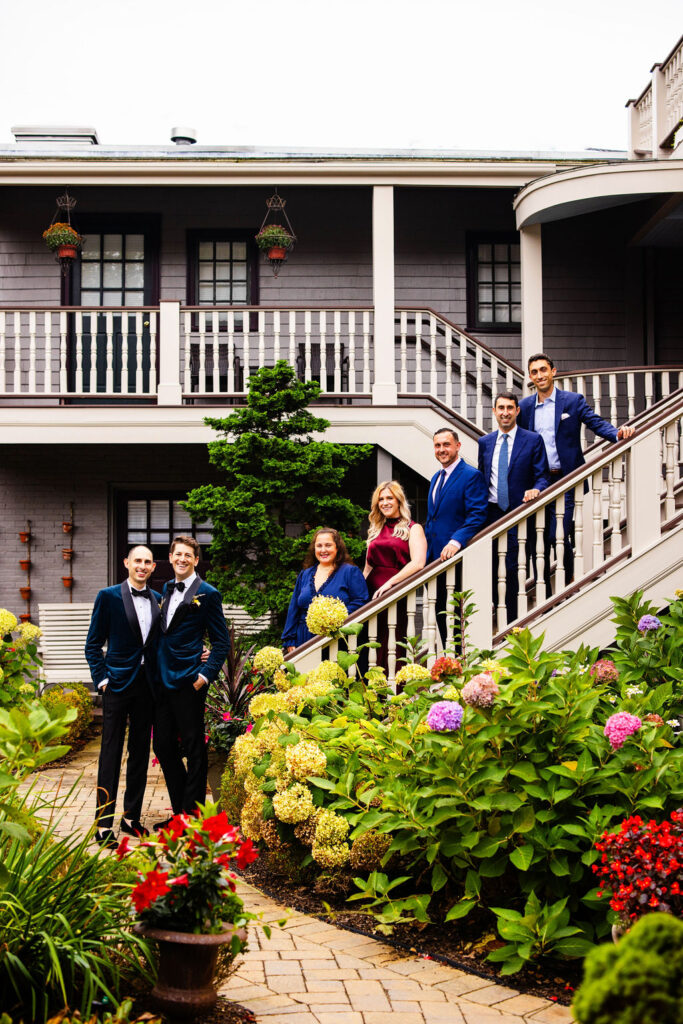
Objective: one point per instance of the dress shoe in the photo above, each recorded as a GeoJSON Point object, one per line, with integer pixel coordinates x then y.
{"type": "Point", "coordinates": [106, 839]}
{"type": "Point", "coordinates": [159, 825]}
{"type": "Point", "coordinates": [133, 827]}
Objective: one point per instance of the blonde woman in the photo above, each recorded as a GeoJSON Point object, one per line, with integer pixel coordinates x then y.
{"type": "Point", "coordinates": [397, 548]}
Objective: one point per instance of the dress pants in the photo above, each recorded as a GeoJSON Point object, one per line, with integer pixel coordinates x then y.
{"type": "Point", "coordinates": [178, 730]}
{"type": "Point", "coordinates": [134, 707]}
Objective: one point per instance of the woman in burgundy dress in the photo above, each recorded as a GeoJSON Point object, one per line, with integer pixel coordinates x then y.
{"type": "Point", "coordinates": [397, 548]}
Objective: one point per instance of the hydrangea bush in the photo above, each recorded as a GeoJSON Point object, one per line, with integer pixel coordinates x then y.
{"type": "Point", "coordinates": [487, 787]}
{"type": "Point", "coordinates": [19, 661]}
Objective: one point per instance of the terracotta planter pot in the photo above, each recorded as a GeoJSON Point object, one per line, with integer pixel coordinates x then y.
{"type": "Point", "coordinates": [67, 526]}
{"type": "Point", "coordinates": [24, 536]}
{"type": "Point", "coordinates": [187, 964]}
{"type": "Point", "coordinates": [67, 554]}
{"type": "Point", "coordinates": [277, 252]}
{"type": "Point", "coordinates": [25, 617]}
{"type": "Point", "coordinates": [68, 581]}
{"type": "Point", "coordinates": [24, 564]}
{"type": "Point", "coordinates": [66, 252]}
{"type": "Point", "coordinates": [25, 593]}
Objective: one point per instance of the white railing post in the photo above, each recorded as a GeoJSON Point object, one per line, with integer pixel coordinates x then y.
{"type": "Point", "coordinates": [384, 390]}
{"type": "Point", "coordinates": [531, 259]}
{"type": "Point", "coordinates": [170, 391]}
{"type": "Point", "coordinates": [477, 575]}
{"type": "Point", "coordinates": [644, 487]}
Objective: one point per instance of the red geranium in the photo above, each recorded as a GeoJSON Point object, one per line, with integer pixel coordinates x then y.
{"type": "Point", "coordinates": [219, 827]}
{"type": "Point", "coordinates": [246, 854]}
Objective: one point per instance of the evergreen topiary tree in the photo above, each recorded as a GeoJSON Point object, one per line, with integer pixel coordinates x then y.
{"type": "Point", "coordinates": [280, 485]}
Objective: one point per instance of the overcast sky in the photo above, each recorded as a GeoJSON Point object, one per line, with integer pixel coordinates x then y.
{"type": "Point", "coordinates": [447, 74]}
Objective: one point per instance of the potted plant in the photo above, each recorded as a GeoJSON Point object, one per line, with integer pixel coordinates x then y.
{"type": "Point", "coordinates": [274, 240]}
{"type": "Point", "coordinates": [24, 536]}
{"type": "Point", "coordinates": [65, 239]}
{"type": "Point", "coordinates": [25, 593]}
{"type": "Point", "coordinates": [68, 582]}
{"type": "Point", "coordinates": [185, 900]}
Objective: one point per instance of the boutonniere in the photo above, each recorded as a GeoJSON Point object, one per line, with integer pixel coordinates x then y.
{"type": "Point", "coordinates": [197, 601]}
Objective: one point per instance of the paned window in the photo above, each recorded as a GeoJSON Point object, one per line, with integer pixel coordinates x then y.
{"type": "Point", "coordinates": [222, 273]}
{"type": "Point", "coordinates": [156, 521]}
{"type": "Point", "coordinates": [494, 292]}
{"type": "Point", "coordinates": [113, 270]}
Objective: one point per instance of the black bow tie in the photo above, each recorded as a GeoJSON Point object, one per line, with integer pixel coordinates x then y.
{"type": "Point", "coordinates": [179, 586]}
{"type": "Point", "coordinates": [142, 593]}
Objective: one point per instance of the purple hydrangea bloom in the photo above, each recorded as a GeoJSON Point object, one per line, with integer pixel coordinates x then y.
{"type": "Point", "coordinates": [647, 623]}
{"type": "Point", "coordinates": [445, 716]}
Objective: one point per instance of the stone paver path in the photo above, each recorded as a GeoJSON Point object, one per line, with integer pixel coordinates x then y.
{"type": "Point", "coordinates": [310, 972]}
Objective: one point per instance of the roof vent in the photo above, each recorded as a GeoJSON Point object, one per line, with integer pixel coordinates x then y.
{"type": "Point", "coordinates": [184, 136]}
{"type": "Point", "coordinates": [58, 135]}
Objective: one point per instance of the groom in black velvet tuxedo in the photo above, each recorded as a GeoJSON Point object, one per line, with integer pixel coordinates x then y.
{"type": "Point", "coordinates": [190, 609]}
{"type": "Point", "coordinates": [126, 618]}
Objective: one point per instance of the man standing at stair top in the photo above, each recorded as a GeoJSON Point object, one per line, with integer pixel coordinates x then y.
{"type": "Point", "coordinates": [126, 619]}
{"type": "Point", "coordinates": [515, 466]}
{"type": "Point", "coordinates": [557, 416]}
{"type": "Point", "coordinates": [456, 510]}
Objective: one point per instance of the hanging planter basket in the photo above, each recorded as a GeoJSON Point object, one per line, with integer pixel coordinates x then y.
{"type": "Point", "coordinates": [276, 239]}
{"type": "Point", "coordinates": [61, 237]}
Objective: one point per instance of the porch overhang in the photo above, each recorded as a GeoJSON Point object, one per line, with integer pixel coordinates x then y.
{"type": "Point", "coordinates": [579, 190]}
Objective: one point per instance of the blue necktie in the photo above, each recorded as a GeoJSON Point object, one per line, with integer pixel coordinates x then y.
{"type": "Point", "coordinates": [503, 496]}
{"type": "Point", "coordinates": [439, 486]}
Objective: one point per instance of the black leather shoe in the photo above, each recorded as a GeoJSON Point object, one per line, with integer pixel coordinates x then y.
{"type": "Point", "coordinates": [106, 839]}
{"type": "Point", "coordinates": [136, 828]}
{"type": "Point", "coordinates": [159, 825]}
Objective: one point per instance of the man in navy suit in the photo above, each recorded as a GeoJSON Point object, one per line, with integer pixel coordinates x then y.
{"type": "Point", "coordinates": [126, 619]}
{"type": "Point", "coordinates": [456, 510]}
{"type": "Point", "coordinates": [190, 609]}
{"type": "Point", "coordinates": [557, 416]}
{"type": "Point", "coordinates": [514, 463]}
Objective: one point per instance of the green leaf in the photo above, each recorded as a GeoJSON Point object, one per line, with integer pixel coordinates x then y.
{"type": "Point", "coordinates": [522, 857]}
{"type": "Point", "coordinates": [524, 819]}
{"type": "Point", "coordinates": [439, 877]}
{"type": "Point", "coordinates": [460, 909]}
{"type": "Point", "coordinates": [576, 946]}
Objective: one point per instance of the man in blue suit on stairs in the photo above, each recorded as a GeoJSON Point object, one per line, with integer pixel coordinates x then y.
{"type": "Point", "coordinates": [456, 510]}
{"type": "Point", "coordinates": [557, 416]}
{"type": "Point", "coordinates": [190, 609]}
{"type": "Point", "coordinates": [515, 466]}
{"type": "Point", "coordinates": [125, 618]}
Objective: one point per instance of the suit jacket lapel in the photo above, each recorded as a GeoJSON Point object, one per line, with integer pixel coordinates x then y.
{"type": "Point", "coordinates": [447, 483]}
{"type": "Point", "coordinates": [517, 447]}
{"type": "Point", "coordinates": [155, 615]}
{"type": "Point", "coordinates": [559, 407]}
{"type": "Point", "coordinates": [129, 609]}
{"type": "Point", "coordinates": [183, 607]}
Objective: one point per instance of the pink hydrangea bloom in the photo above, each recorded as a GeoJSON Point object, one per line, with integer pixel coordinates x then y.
{"type": "Point", "coordinates": [481, 691]}
{"type": "Point", "coordinates": [605, 671]}
{"type": "Point", "coordinates": [620, 726]}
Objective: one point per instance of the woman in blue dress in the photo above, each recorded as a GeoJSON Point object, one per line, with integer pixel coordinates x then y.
{"type": "Point", "coordinates": [329, 571]}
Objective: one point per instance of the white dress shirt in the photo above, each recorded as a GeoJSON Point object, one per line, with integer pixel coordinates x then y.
{"type": "Point", "coordinates": [177, 596]}
{"type": "Point", "coordinates": [493, 482]}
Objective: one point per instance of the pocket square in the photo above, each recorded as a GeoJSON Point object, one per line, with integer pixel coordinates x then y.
{"type": "Point", "coordinates": [564, 416]}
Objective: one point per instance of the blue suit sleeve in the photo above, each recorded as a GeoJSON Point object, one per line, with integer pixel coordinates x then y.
{"type": "Point", "coordinates": [290, 629]}
{"type": "Point", "coordinates": [358, 590]}
{"type": "Point", "coordinates": [218, 635]}
{"type": "Point", "coordinates": [540, 464]}
{"type": "Point", "coordinates": [476, 504]}
{"type": "Point", "coordinates": [98, 634]}
{"type": "Point", "coordinates": [594, 422]}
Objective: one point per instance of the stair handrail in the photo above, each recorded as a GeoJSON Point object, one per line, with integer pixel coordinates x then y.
{"type": "Point", "coordinates": [477, 556]}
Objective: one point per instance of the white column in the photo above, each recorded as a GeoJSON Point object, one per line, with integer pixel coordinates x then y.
{"type": "Point", "coordinates": [170, 391]}
{"type": "Point", "coordinates": [644, 487]}
{"type": "Point", "coordinates": [531, 258]}
{"type": "Point", "coordinates": [384, 390]}
{"type": "Point", "coordinates": [659, 118]}
{"type": "Point", "coordinates": [385, 465]}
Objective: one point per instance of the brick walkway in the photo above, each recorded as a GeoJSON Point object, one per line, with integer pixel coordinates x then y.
{"type": "Point", "coordinates": [310, 972]}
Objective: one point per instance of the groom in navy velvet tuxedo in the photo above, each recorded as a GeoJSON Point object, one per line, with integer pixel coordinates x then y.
{"type": "Point", "coordinates": [190, 609]}
{"type": "Point", "coordinates": [125, 618]}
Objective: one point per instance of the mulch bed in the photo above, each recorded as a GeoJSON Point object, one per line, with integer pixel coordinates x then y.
{"type": "Point", "coordinates": [224, 1012]}
{"type": "Point", "coordinates": [464, 944]}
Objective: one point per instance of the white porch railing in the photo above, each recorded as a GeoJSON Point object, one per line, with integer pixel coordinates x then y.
{"type": "Point", "coordinates": [643, 480]}
{"type": "Point", "coordinates": [657, 113]}
{"type": "Point", "coordinates": [50, 353]}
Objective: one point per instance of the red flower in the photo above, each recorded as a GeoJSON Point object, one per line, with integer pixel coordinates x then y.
{"type": "Point", "coordinates": [122, 848]}
{"type": "Point", "coordinates": [149, 889]}
{"type": "Point", "coordinates": [218, 827]}
{"type": "Point", "coordinates": [180, 880]}
{"type": "Point", "coordinates": [246, 854]}
{"type": "Point", "coordinates": [175, 827]}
